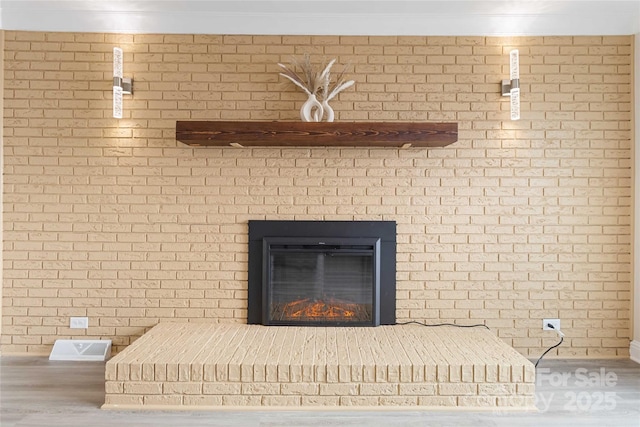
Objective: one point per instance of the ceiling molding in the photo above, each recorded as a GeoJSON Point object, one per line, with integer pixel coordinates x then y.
{"type": "Point", "coordinates": [350, 17]}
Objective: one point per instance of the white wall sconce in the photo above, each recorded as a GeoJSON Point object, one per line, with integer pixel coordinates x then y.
{"type": "Point", "coordinates": [512, 87]}
{"type": "Point", "coordinates": [121, 85]}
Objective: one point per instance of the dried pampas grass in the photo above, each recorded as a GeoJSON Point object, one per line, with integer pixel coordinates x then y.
{"type": "Point", "coordinates": [313, 81]}
{"type": "Point", "coordinates": [339, 85]}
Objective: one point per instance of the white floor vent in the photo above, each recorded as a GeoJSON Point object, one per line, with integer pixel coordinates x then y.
{"type": "Point", "coordinates": [96, 350]}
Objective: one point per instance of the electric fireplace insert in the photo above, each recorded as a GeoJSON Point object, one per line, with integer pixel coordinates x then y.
{"type": "Point", "coordinates": [322, 273]}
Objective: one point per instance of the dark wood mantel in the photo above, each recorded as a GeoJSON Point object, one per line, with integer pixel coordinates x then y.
{"type": "Point", "coordinates": [322, 134]}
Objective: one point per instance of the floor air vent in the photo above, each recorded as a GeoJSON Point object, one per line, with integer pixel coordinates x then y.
{"type": "Point", "coordinates": [85, 350]}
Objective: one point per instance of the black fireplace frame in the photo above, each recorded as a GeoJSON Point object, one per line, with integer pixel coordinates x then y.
{"type": "Point", "coordinates": [385, 231]}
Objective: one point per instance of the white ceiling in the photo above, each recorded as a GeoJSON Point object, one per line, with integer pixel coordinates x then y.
{"type": "Point", "coordinates": [347, 17]}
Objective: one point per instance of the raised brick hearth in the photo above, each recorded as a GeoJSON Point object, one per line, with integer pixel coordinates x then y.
{"type": "Point", "coordinates": [206, 366]}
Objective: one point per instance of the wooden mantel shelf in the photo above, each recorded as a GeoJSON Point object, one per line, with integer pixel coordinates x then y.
{"type": "Point", "coordinates": [322, 134]}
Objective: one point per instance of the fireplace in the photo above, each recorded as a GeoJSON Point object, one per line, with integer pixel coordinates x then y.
{"type": "Point", "coordinates": [322, 273]}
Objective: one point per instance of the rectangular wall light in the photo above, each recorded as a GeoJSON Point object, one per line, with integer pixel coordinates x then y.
{"type": "Point", "coordinates": [121, 85]}
{"type": "Point", "coordinates": [512, 87]}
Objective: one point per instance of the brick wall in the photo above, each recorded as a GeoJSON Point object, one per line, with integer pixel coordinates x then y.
{"type": "Point", "coordinates": [517, 221]}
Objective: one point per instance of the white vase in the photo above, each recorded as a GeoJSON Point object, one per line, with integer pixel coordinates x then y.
{"type": "Point", "coordinates": [311, 110]}
{"type": "Point", "coordinates": [328, 110]}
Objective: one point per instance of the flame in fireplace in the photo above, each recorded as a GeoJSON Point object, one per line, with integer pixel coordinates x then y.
{"type": "Point", "coordinates": [308, 308]}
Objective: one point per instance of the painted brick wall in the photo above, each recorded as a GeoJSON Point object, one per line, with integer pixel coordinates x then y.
{"type": "Point", "coordinates": [515, 222]}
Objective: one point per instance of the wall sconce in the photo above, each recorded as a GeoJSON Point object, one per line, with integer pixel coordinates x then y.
{"type": "Point", "coordinates": [121, 85]}
{"type": "Point", "coordinates": [512, 87]}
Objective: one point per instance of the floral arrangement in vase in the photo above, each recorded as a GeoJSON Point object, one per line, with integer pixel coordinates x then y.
{"type": "Point", "coordinates": [315, 82]}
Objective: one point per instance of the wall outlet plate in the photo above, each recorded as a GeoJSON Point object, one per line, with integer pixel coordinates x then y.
{"type": "Point", "coordinates": [79, 323]}
{"type": "Point", "coordinates": [554, 322]}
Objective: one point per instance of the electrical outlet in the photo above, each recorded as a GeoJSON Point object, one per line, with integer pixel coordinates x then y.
{"type": "Point", "coordinates": [79, 323]}
{"type": "Point", "coordinates": [554, 322]}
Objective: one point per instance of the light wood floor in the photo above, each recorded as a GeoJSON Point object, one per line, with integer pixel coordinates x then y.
{"type": "Point", "coordinates": [37, 392]}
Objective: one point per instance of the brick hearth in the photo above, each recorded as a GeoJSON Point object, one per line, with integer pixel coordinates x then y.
{"type": "Point", "coordinates": [205, 366]}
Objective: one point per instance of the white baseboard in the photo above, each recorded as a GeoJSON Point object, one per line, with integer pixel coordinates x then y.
{"type": "Point", "coordinates": [634, 351]}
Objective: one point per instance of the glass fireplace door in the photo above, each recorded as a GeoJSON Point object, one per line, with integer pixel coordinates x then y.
{"type": "Point", "coordinates": [318, 283]}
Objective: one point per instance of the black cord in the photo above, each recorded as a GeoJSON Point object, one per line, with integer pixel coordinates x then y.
{"type": "Point", "coordinates": [548, 350]}
{"type": "Point", "coordinates": [551, 348]}
{"type": "Point", "coordinates": [479, 325]}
